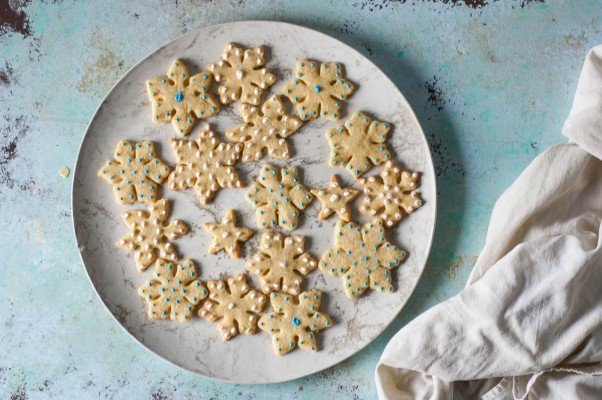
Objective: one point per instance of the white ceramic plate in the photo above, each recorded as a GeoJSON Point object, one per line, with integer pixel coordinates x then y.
{"type": "Point", "coordinates": [196, 346]}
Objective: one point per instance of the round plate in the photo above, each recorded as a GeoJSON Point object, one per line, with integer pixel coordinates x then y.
{"type": "Point", "coordinates": [196, 346]}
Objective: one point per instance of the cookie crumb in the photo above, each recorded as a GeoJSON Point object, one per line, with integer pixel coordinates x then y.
{"type": "Point", "coordinates": [64, 172]}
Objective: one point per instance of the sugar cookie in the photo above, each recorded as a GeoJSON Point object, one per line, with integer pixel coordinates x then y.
{"type": "Point", "coordinates": [277, 197]}
{"type": "Point", "coordinates": [358, 144]}
{"type": "Point", "coordinates": [234, 306]}
{"type": "Point", "coordinates": [205, 164]}
{"type": "Point", "coordinates": [362, 258]}
{"type": "Point", "coordinates": [265, 128]}
{"type": "Point", "coordinates": [181, 98]}
{"type": "Point", "coordinates": [174, 290]}
{"type": "Point", "coordinates": [293, 321]}
{"type": "Point", "coordinates": [227, 236]}
{"type": "Point", "coordinates": [334, 199]}
{"type": "Point", "coordinates": [392, 196]}
{"type": "Point", "coordinates": [151, 236]}
{"type": "Point", "coordinates": [318, 90]}
{"type": "Point", "coordinates": [135, 172]}
{"type": "Point", "coordinates": [241, 75]}
{"type": "Point", "coordinates": [281, 263]}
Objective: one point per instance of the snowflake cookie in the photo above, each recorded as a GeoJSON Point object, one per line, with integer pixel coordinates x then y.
{"type": "Point", "coordinates": [181, 98]}
{"type": "Point", "coordinates": [358, 143]}
{"type": "Point", "coordinates": [151, 235]}
{"type": "Point", "coordinates": [392, 196]}
{"type": "Point", "coordinates": [135, 172]}
{"type": "Point", "coordinates": [241, 75]}
{"type": "Point", "coordinates": [265, 128]}
{"type": "Point", "coordinates": [174, 290]}
{"type": "Point", "coordinates": [234, 306]}
{"type": "Point", "coordinates": [362, 258]}
{"type": "Point", "coordinates": [281, 263]}
{"type": "Point", "coordinates": [226, 236]}
{"type": "Point", "coordinates": [277, 197]}
{"type": "Point", "coordinates": [334, 199]}
{"type": "Point", "coordinates": [205, 164]}
{"type": "Point", "coordinates": [293, 321]}
{"type": "Point", "coordinates": [318, 90]}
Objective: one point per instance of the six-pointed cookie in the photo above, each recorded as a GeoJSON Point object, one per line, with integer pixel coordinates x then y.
{"type": "Point", "coordinates": [294, 320]}
{"type": "Point", "coordinates": [205, 164]}
{"type": "Point", "coordinates": [227, 236]}
{"type": "Point", "coordinates": [391, 196]}
{"type": "Point", "coordinates": [135, 172]}
{"type": "Point", "coordinates": [151, 234]}
{"type": "Point", "coordinates": [318, 90]}
{"type": "Point", "coordinates": [234, 306]}
{"type": "Point", "coordinates": [362, 257]}
{"type": "Point", "coordinates": [181, 98]}
{"type": "Point", "coordinates": [335, 199]}
{"type": "Point", "coordinates": [241, 74]}
{"type": "Point", "coordinates": [174, 290]}
{"type": "Point", "coordinates": [265, 128]}
{"type": "Point", "coordinates": [278, 197]}
{"type": "Point", "coordinates": [281, 263]}
{"type": "Point", "coordinates": [358, 144]}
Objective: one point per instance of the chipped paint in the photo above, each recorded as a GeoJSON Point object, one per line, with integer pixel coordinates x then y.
{"type": "Point", "coordinates": [12, 132]}
{"type": "Point", "coordinates": [491, 82]}
{"type": "Point", "coordinates": [435, 94]}
{"type": "Point", "coordinates": [13, 18]}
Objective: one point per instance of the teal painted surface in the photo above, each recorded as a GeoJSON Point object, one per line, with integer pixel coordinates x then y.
{"type": "Point", "coordinates": [491, 84]}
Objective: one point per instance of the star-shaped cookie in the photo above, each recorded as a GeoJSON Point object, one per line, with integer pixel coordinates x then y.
{"type": "Point", "coordinates": [227, 236]}
{"type": "Point", "coordinates": [334, 199]}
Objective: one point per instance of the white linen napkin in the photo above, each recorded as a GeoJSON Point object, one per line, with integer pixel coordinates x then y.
{"type": "Point", "coordinates": [528, 324]}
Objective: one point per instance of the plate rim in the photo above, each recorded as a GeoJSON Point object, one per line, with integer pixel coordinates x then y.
{"type": "Point", "coordinates": [428, 159]}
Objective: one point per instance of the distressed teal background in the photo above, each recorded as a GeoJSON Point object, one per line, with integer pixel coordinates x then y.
{"type": "Point", "coordinates": [491, 82]}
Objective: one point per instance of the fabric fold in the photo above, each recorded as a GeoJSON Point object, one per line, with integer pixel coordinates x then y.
{"type": "Point", "coordinates": [584, 124]}
{"type": "Point", "coordinates": [529, 322]}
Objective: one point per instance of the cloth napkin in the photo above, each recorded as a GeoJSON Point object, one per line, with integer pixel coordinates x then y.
{"type": "Point", "coordinates": [528, 324]}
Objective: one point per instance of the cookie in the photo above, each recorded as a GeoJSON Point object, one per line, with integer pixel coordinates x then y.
{"type": "Point", "coordinates": [151, 235]}
{"type": "Point", "coordinates": [181, 98]}
{"type": "Point", "coordinates": [358, 144]}
{"type": "Point", "coordinates": [281, 263]}
{"type": "Point", "coordinates": [174, 290]}
{"type": "Point", "coordinates": [135, 172]}
{"type": "Point", "coordinates": [265, 128]}
{"type": "Point", "coordinates": [362, 258]}
{"type": "Point", "coordinates": [392, 196]}
{"type": "Point", "coordinates": [334, 199]}
{"type": "Point", "coordinates": [294, 320]}
{"type": "Point", "coordinates": [278, 197]}
{"type": "Point", "coordinates": [205, 164]}
{"type": "Point", "coordinates": [318, 90]}
{"type": "Point", "coordinates": [241, 75]}
{"type": "Point", "coordinates": [227, 236]}
{"type": "Point", "coordinates": [234, 306]}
